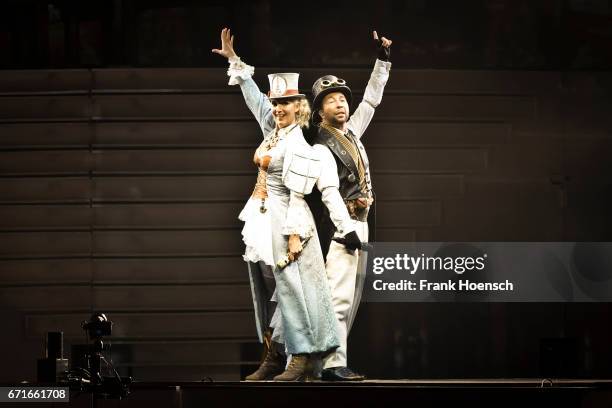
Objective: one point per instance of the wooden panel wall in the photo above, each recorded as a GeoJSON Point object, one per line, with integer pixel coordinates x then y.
{"type": "Point", "coordinates": [120, 190]}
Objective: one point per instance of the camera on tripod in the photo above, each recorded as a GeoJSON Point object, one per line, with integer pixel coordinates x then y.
{"type": "Point", "coordinates": [90, 378]}
{"type": "Point", "coordinates": [98, 326]}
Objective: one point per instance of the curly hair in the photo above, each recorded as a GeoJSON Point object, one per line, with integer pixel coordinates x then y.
{"type": "Point", "coordinates": [302, 116]}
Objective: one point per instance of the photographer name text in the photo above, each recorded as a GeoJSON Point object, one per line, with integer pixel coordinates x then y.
{"type": "Point", "coordinates": [462, 285]}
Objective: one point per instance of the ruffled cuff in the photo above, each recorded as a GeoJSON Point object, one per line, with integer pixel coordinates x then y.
{"type": "Point", "coordinates": [238, 70]}
{"type": "Point", "coordinates": [297, 220]}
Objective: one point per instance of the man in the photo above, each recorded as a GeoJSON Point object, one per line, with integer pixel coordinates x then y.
{"type": "Point", "coordinates": [344, 157]}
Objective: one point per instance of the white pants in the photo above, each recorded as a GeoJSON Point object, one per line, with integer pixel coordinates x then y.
{"type": "Point", "coordinates": [341, 267]}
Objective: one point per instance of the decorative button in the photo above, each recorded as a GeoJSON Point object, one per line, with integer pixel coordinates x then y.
{"type": "Point", "coordinates": [343, 152]}
{"type": "Point", "coordinates": [351, 177]}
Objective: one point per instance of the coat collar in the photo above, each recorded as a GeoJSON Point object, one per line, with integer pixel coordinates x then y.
{"type": "Point", "coordinates": [283, 132]}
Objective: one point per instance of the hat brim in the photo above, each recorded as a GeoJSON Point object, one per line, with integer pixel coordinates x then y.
{"type": "Point", "coordinates": [286, 97]}
{"type": "Point", "coordinates": [316, 103]}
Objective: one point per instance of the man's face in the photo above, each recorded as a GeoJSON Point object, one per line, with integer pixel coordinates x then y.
{"type": "Point", "coordinates": [334, 109]}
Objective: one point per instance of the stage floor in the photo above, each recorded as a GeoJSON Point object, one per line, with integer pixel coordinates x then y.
{"type": "Point", "coordinates": [370, 393]}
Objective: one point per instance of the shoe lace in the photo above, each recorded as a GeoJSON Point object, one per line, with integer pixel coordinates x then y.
{"type": "Point", "coordinates": [271, 356]}
{"type": "Point", "coordinates": [267, 340]}
{"type": "Point", "coordinates": [294, 361]}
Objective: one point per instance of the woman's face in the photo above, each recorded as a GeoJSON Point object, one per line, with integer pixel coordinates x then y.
{"type": "Point", "coordinates": [284, 111]}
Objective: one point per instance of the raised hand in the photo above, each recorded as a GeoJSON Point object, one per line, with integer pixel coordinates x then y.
{"type": "Point", "coordinates": [385, 42]}
{"type": "Point", "coordinates": [384, 47]}
{"type": "Point", "coordinates": [227, 44]}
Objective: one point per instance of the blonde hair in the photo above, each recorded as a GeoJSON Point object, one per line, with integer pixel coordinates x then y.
{"type": "Point", "coordinates": [302, 116]}
{"type": "Point", "coordinates": [302, 113]}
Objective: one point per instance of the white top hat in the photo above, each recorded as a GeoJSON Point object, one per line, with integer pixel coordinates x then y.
{"type": "Point", "coordinates": [284, 85]}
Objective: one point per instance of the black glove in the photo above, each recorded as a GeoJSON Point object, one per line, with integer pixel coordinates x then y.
{"type": "Point", "coordinates": [351, 241]}
{"type": "Point", "coordinates": [383, 53]}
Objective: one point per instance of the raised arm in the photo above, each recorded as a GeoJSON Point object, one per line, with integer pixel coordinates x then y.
{"type": "Point", "coordinates": [372, 96]}
{"type": "Point", "coordinates": [241, 74]}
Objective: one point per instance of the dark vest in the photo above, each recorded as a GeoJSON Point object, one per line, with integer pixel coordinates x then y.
{"type": "Point", "coordinates": [349, 190]}
{"type": "Point", "coordinates": [347, 168]}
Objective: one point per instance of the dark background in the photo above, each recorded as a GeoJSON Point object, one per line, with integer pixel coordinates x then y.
{"type": "Point", "coordinates": [469, 34]}
{"type": "Point", "coordinates": [125, 159]}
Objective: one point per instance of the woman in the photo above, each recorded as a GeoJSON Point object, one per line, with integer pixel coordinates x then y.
{"type": "Point", "coordinates": [279, 228]}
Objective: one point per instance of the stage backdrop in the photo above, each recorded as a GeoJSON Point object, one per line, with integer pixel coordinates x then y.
{"type": "Point", "coordinates": [120, 190]}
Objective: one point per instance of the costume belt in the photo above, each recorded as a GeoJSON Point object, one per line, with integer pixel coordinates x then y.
{"type": "Point", "coordinates": [261, 189]}
{"type": "Point", "coordinates": [358, 208]}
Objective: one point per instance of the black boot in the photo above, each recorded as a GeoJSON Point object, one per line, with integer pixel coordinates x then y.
{"type": "Point", "coordinates": [340, 374]}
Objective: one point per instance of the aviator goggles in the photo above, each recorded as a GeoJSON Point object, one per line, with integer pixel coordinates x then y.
{"type": "Point", "coordinates": [326, 83]}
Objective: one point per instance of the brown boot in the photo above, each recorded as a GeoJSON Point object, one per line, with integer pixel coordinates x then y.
{"type": "Point", "coordinates": [299, 369]}
{"type": "Point", "coordinates": [272, 363]}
